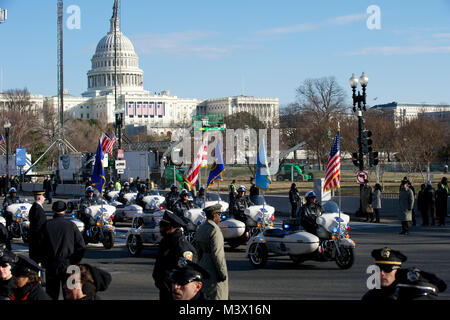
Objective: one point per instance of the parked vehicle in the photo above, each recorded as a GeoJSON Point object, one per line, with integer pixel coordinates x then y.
{"type": "Point", "coordinates": [291, 170]}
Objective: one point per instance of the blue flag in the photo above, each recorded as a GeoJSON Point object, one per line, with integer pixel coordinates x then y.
{"type": "Point", "coordinates": [218, 167]}
{"type": "Point", "coordinates": [262, 176]}
{"type": "Point", "coordinates": [98, 175]}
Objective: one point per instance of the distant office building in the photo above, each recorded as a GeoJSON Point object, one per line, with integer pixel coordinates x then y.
{"type": "Point", "coordinates": [401, 112]}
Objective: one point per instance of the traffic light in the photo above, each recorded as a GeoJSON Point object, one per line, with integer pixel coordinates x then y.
{"type": "Point", "coordinates": [355, 159]}
{"type": "Point", "coordinates": [373, 158]}
{"type": "Point", "coordinates": [366, 141]}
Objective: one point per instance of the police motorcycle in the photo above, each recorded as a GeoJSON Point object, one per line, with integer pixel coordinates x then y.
{"type": "Point", "coordinates": [232, 229]}
{"type": "Point", "coordinates": [125, 212]}
{"type": "Point", "coordinates": [243, 231]}
{"type": "Point", "coordinates": [333, 242]}
{"type": "Point", "coordinates": [20, 225]}
{"type": "Point", "coordinates": [100, 228]}
{"type": "Point", "coordinates": [97, 220]}
{"type": "Point", "coordinates": [153, 200]}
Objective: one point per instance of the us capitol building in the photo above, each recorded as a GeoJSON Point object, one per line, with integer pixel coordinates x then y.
{"type": "Point", "coordinates": [154, 113]}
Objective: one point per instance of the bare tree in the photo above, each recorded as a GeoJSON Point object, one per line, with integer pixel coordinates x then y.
{"type": "Point", "coordinates": [419, 141]}
{"type": "Point", "coordinates": [321, 103]}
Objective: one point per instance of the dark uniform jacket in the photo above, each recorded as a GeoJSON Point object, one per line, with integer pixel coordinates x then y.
{"type": "Point", "coordinates": [238, 207]}
{"type": "Point", "coordinates": [382, 294]}
{"type": "Point", "coordinates": [86, 202]}
{"type": "Point", "coordinates": [180, 207]}
{"type": "Point", "coordinates": [10, 200]}
{"type": "Point", "coordinates": [37, 219]}
{"type": "Point", "coordinates": [141, 196]}
{"type": "Point", "coordinates": [123, 192]}
{"type": "Point", "coordinates": [30, 293]}
{"type": "Point", "coordinates": [6, 289]}
{"type": "Point", "coordinates": [308, 214]}
{"type": "Point", "coordinates": [108, 190]}
{"type": "Point", "coordinates": [173, 248]}
{"type": "Point", "coordinates": [171, 198]}
{"type": "Point", "coordinates": [61, 243]}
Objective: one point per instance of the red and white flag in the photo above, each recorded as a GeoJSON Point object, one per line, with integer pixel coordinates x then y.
{"type": "Point", "coordinates": [333, 171]}
{"type": "Point", "coordinates": [108, 143]}
{"type": "Point", "coordinates": [192, 174]}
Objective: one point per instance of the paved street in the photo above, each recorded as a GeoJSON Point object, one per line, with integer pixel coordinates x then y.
{"type": "Point", "coordinates": [426, 247]}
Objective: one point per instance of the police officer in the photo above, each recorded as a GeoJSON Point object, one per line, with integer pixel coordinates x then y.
{"type": "Point", "coordinates": [183, 204]}
{"type": "Point", "coordinates": [173, 251]}
{"type": "Point", "coordinates": [62, 245]}
{"type": "Point", "coordinates": [241, 202]}
{"type": "Point", "coordinates": [37, 218]}
{"type": "Point", "coordinates": [416, 284]}
{"type": "Point", "coordinates": [10, 199]}
{"type": "Point", "coordinates": [309, 213]}
{"type": "Point", "coordinates": [200, 199]}
{"type": "Point", "coordinates": [143, 192]}
{"type": "Point", "coordinates": [172, 196]}
{"type": "Point", "coordinates": [90, 199]}
{"type": "Point", "coordinates": [108, 189]}
{"type": "Point", "coordinates": [389, 261]}
{"type": "Point", "coordinates": [294, 199]}
{"type": "Point", "coordinates": [27, 281]}
{"type": "Point", "coordinates": [187, 282]}
{"type": "Point", "coordinates": [232, 192]}
{"type": "Point", "coordinates": [7, 261]}
{"type": "Point", "coordinates": [125, 189]}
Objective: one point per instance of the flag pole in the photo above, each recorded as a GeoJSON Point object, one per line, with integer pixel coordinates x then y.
{"type": "Point", "coordinates": [339, 196]}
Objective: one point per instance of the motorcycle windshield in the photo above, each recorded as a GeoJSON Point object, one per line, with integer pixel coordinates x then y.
{"type": "Point", "coordinates": [213, 197]}
{"type": "Point", "coordinates": [259, 200]}
{"type": "Point", "coordinates": [330, 207]}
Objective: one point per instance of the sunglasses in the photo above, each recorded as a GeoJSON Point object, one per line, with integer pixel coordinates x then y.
{"type": "Point", "coordinates": [387, 268]}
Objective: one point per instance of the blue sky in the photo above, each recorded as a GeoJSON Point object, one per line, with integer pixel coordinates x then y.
{"type": "Point", "coordinates": [211, 49]}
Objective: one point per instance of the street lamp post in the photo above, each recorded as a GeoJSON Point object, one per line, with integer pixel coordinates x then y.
{"type": "Point", "coordinates": [7, 126]}
{"type": "Point", "coordinates": [359, 105]}
{"type": "Point", "coordinates": [118, 127]}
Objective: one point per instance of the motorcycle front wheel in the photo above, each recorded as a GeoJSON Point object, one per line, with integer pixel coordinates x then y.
{"type": "Point", "coordinates": [346, 259]}
{"type": "Point", "coordinates": [108, 241]}
{"type": "Point", "coordinates": [258, 254]}
{"type": "Point", "coordinates": [134, 245]}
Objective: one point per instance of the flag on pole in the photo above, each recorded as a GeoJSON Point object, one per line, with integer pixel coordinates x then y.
{"type": "Point", "coordinates": [107, 143]}
{"type": "Point", "coordinates": [2, 140]}
{"type": "Point", "coordinates": [192, 174]}
{"type": "Point", "coordinates": [262, 176]}
{"type": "Point", "coordinates": [98, 175]}
{"type": "Point", "coordinates": [217, 168]}
{"type": "Point", "coordinates": [333, 171]}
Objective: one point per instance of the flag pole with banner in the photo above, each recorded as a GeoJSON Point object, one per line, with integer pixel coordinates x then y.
{"type": "Point", "coordinates": [262, 175]}
{"type": "Point", "coordinates": [98, 175]}
{"type": "Point", "coordinates": [333, 171]}
{"type": "Point", "coordinates": [215, 173]}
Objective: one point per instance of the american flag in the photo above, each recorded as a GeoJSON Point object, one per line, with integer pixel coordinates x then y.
{"type": "Point", "coordinates": [130, 109]}
{"type": "Point", "coordinates": [145, 109]}
{"type": "Point", "coordinates": [108, 143]}
{"type": "Point", "coordinates": [139, 109]}
{"type": "Point", "coordinates": [160, 108]}
{"type": "Point", "coordinates": [333, 172]}
{"type": "Point", "coordinates": [151, 109]}
{"type": "Point", "coordinates": [2, 141]}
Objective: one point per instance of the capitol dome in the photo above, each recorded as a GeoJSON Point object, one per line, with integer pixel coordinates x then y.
{"type": "Point", "coordinates": [101, 77]}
